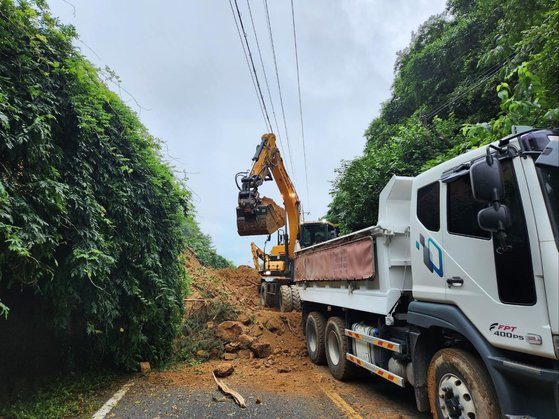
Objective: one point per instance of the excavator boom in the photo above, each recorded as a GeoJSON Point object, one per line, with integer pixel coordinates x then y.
{"type": "Point", "coordinates": [260, 215]}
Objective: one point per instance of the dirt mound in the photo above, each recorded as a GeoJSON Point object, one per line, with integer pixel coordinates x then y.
{"type": "Point", "coordinates": [242, 276]}
{"type": "Point", "coordinates": [226, 330]}
{"type": "Point", "coordinates": [241, 283]}
{"type": "Point", "coordinates": [224, 312]}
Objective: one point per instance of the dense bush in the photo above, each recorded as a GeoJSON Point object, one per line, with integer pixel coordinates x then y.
{"type": "Point", "coordinates": [91, 218]}
{"type": "Point", "coordinates": [445, 83]}
{"type": "Point", "coordinates": [202, 246]}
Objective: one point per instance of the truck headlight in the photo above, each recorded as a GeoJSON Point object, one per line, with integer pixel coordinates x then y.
{"type": "Point", "coordinates": [556, 345]}
{"type": "Point", "coordinates": [267, 273]}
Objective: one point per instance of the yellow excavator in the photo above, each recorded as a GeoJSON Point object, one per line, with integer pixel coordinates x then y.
{"type": "Point", "coordinates": [258, 215]}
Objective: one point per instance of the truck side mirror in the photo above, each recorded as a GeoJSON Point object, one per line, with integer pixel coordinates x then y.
{"type": "Point", "coordinates": [495, 218]}
{"type": "Point", "coordinates": [487, 180]}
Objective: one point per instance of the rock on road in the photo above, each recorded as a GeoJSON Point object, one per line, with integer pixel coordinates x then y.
{"type": "Point", "coordinates": [190, 392]}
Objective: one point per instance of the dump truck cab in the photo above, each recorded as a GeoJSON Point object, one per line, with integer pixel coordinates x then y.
{"type": "Point", "coordinates": [485, 256]}
{"type": "Point", "coordinates": [504, 281]}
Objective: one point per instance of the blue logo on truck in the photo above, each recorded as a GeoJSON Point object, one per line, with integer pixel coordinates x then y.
{"type": "Point", "coordinates": [430, 250]}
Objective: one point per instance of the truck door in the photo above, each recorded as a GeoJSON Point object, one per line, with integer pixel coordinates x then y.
{"type": "Point", "coordinates": [494, 287]}
{"type": "Point", "coordinates": [426, 256]}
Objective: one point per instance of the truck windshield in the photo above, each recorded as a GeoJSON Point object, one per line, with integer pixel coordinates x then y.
{"type": "Point", "coordinates": [549, 180]}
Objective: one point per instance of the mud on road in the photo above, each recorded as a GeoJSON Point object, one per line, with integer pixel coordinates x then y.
{"type": "Point", "coordinates": [190, 392]}
{"type": "Point", "coordinates": [267, 351]}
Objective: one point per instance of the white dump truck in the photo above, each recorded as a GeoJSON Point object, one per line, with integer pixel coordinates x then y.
{"type": "Point", "coordinates": [455, 292]}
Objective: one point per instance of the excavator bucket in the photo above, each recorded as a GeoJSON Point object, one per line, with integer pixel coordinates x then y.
{"type": "Point", "coordinates": [265, 218]}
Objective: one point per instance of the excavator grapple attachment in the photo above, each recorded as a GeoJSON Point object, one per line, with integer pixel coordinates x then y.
{"type": "Point", "coordinates": [265, 218]}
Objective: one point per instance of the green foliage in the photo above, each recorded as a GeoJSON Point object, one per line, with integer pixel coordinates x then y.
{"type": "Point", "coordinates": [444, 85]}
{"type": "Point", "coordinates": [91, 218]}
{"type": "Point", "coordinates": [72, 396]}
{"type": "Point", "coordinates": [202, 246]}
{"type": "Point", "coordinates": [195, 334]}
{"type": "Point", "coordinates": [360, 182]}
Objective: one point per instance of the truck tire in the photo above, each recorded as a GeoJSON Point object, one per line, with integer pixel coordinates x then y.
{"type": "Point", "coordinates": [286, 298]}
{"type": "Point", "coordinates": [459, 386]}
{"type": "Point", "coordinates": [266, 299]}
{"type": "Point", "coordinates": [296, 298]}
{"type": "Point", "coordinates": [336, 348]}
{"type": "Point", "coordinates": [314, 330]}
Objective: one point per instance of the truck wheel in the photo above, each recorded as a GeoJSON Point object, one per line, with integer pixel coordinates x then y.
{"type": "Point", "coordinates": [286, 298]}
{"type": "Point", "coordinates": [336, 349]}
{"type": "Point", "coordinates": [265, 298]}
{"type": "Point", "coordinates": [296, 298]}
{"type": "Point", "coordinates": [314, 330]}
{"type": "Point", "coordinates": [459, 386]}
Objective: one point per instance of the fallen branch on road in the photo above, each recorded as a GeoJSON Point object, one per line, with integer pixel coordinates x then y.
{"type": "Point", "coordinates": [240, 400]}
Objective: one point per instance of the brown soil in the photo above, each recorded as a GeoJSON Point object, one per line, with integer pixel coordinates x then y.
{"type": "Point", "coordinates": [287, 370]}
{"type": "Point", "coordinates": [239, 287]}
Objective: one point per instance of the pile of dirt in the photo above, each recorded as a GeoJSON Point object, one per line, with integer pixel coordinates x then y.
{"type": "Point", "coordinates": [253, 338]}
{"type": "Point", "coordinates": [242, 283]}
{"type": "Point", "coordinates": [260, 348]}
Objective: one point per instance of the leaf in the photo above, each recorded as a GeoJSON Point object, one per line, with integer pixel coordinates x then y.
{"type": "Point", "coordinates": [4, 120]}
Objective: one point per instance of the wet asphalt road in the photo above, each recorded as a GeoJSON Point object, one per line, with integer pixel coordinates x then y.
{"type": "Point", "coordinates": [178, 402]}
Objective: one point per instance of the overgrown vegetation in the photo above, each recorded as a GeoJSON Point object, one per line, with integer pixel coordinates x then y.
{"type": "Point", "coordinates": [202, 246]}
{"type": "Point", "coordinates": [467, 76]}
{"type": "Point", "coordinates": [75, 395]}
{"type": "Point", "coordinates": [93, 223]}
{"type": "Point", "coordinates": [210, 307]}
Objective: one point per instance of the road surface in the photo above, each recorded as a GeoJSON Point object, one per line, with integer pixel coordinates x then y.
{"type": "Point", "coordinates": [188, 392]}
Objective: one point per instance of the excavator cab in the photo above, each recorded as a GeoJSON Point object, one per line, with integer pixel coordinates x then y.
{"type": "Point", "coordinates": [314, 232]}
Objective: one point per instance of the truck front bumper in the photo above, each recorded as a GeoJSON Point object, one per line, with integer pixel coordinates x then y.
{"type": "Point", "coordinates": [530, 389]}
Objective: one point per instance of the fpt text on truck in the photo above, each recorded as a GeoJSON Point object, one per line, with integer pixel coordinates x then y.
{"type": "Point", "coordinates": [258, 215]}
{"type": "Point", "coordinates": [455, 291]}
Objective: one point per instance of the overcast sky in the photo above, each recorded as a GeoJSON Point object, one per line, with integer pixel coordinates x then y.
{"type": "Point", "coordinates": [183, 63]}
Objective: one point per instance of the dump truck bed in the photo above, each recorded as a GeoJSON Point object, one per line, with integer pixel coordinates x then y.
{"type": "Point", "coordinates": [367, 270]}
{"type": "Point", "coordinates": [347, 258]}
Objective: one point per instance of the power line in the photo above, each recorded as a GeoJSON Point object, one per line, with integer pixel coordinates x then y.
{"type": "Point", "coordinates": [252, 71]}
{"type": "Point", "coordinates": [252, 63]}
{"type": "Point", "coordinates": [279, 86]}
{"type": "Point", "coordinates": [300, 103]}
{"type": "Point", "coordinates": [480, 79]}
{"type": "Point", "coordinates": [265, 76]}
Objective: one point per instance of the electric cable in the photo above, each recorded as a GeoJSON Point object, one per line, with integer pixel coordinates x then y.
{"type": "Point", "coordinates": [279, 85]}
{"type": "Point", "coordinates": [482, 78]}
{"type": "Point", "coordinates": [249, 60]}
{"type": "Point", "coordinates": [265, 76]}
{"type": "Point", "coordinates": [300, 103]}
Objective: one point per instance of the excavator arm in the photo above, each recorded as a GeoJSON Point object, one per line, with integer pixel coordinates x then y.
{"type": "Point", "coordinates": [260, 215]}
{"type": "Point", "coordinates": [258, 253]}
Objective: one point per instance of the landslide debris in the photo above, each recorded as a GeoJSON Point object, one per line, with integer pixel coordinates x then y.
{"type": "Point", "coordinates": [224, 321]}
{"type": "Point", "coordinates": [230, 295]}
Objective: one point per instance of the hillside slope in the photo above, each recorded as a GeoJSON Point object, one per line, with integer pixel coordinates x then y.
{"type": "Point", "coordinates": [487, 61]}
{"type": "Point", "coordinates": [93, 221]}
